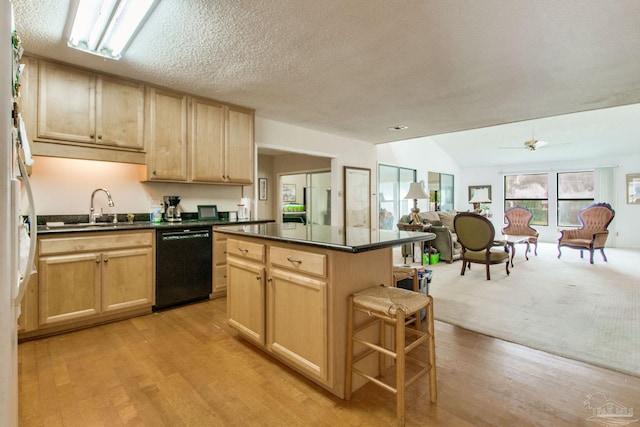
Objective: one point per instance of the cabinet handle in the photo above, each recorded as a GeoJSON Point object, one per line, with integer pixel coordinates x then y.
{"type": "Point", "coordinates": [99, 136]}
{"type": "Point", "coordinates": [91, 135]}
{"type": "Point", "coordinates": [243, 250]}
{"type": "Point", "coordinates": [106, 259]}
{"type": "Point", "coordinates": [270, 279]}
{"type": "Point", "coordinates": [97, 260]}
{"type": "Point", "coordinates": [294, 260]}
{"type": "Point", "coordinates": [258, 277]}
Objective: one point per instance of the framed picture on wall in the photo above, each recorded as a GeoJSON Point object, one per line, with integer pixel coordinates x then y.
{"type": "Point", "coordinates": [633, 188]}
{"type": "Point", "coordinates": [357, 197]}
{"type": "Point", "coordinates": [484, 192]}
{"type": "Point", "coordinates": [288, 192]}
{"type": "Point", "coordinates": [262, 189]}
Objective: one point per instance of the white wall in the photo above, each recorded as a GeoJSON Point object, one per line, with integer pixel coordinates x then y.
{"type": "Point", "coordinates": [343, 151]}
{"type": "Point", "coordinates": [266, 208]}
{"type": "Point", "coordinates": [425, 156]}
{"type": "Point", "coordinates": [624, 228]}
{"type": "Point", "coordinates": [64, 186]}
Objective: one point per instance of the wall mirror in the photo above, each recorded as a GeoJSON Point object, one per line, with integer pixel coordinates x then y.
{"type": "Point", "coordinates": [440, 191]}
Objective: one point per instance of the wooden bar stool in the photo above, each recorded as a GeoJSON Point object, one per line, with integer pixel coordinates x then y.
{"type": "Point", "coordinates": [399, 308]}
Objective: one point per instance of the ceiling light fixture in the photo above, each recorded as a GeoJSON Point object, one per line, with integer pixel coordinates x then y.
{"type": "Point", "coordinates": [106, 28]}
{"type": "Point", "coordinates": [398, 127]}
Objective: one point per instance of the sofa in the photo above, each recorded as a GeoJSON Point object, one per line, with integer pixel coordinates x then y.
{"type": "Point", "coordinates": [446, 241]}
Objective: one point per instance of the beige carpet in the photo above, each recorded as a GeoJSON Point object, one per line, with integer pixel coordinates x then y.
{"type": "Point", "coordinates": [564, 306]}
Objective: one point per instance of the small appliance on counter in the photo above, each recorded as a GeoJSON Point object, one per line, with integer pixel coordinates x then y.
{"type": "Point", "coordinates": [171, 211]}
{"type": "Point", "coordinates": [244, 209]}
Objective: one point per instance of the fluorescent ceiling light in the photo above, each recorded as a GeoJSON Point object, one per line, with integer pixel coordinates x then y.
{"type": "Point", "coordinates": [106, 27]}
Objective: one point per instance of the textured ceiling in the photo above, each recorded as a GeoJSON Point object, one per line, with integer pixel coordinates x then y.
{"type": "Point", "coordinates": [356, 67]}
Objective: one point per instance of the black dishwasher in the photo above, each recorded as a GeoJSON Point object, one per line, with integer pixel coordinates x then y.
{"type": "Point", "coordinates": [183, 266]}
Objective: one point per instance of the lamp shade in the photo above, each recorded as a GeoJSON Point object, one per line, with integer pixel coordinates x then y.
{"type": "Point", "coordinates": [416, 192]}
{"type": "Point", "coordinates": [481, 195]}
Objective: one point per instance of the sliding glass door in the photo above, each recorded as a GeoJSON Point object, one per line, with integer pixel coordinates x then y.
{"type": "Point", "coordinates": [393, 185]}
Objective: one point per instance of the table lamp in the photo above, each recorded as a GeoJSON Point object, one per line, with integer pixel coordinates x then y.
{"type": "Point", "coordinates": [480, 195]}
{"type": "Point", "coordinates": [416, 192]}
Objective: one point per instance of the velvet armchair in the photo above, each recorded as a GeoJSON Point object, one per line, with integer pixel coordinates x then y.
{"type": "Point", "coordinates": [592, 233]}
{"type": "Point", "coordinates": [519, 224]}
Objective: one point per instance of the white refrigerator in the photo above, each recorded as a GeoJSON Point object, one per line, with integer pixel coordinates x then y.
{"type": "Point", "coordinates": [16, 246]}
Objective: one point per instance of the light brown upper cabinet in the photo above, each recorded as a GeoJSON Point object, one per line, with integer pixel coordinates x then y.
{"type": "Point", "coordinates": [166, 133]}
{"type": "Point", "coordinates": [77, 106]}
{"type": "Point", "coordinates": [77, 113]}
{"type": "Point", "coordinates": [206, 140]}
{"type": "Point", "coordinates": [221, 142]}
{"type": "Point", "coordinates": [239, 146]}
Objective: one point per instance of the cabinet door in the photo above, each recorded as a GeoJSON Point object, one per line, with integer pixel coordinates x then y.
{"type": "Point", "coordinates": [297, 313]}
{"type": "Point", "coordinates": [120, 113]}
{"type": "Point", "coordinates": [239, 147]}
{"type": "Point", "coordinates": [206, 141]}
{"type": "Point", "coordinates": [246, 298]}
{"type": "Point", "coordinates": [66, 103]}
{"type": "Point", "coordinates": [69, 287]}
{"type": "Point", "coordinates": [127, 279]}
{"type": "Point", "coordinates": [166, 124]}
{"type": "Point", "coordinates": [219, 265]}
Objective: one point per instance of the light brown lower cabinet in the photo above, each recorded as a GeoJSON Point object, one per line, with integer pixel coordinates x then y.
{"type": "Point", "coordinates": [89, 278]}
{"type": "Point", "coordinates": [291, 300]}
{"type": "Point", "coordinates": [219, 287]}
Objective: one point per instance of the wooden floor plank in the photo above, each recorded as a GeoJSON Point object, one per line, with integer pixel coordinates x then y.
{"type": "Point", "coordinates": [186, 367]}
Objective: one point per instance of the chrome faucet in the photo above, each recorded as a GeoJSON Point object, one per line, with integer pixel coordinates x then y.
{"type": "Point", "coordinates": [92, 215]}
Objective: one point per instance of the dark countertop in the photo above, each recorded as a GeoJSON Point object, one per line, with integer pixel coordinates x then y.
{"type": "Point", "coordinates": [353, 240]}
{"type": "Point", "coordinates": [74, 227]}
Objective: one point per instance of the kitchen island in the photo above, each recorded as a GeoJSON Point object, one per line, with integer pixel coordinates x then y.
{"type": "Point", "coordinates": [288, 287]}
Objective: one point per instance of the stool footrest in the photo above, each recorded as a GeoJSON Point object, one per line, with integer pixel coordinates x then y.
{"type": "Point", "coordinates": [376, 380]}
{"type": "Point", "coordinates": [376, 347]}
{"type": "Point", "coordinates": [416, 343]}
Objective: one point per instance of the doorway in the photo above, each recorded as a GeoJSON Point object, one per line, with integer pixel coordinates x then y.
{"type": "Point", "coordinates": [306, 197]}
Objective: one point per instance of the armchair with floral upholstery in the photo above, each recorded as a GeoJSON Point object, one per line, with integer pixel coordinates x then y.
{"type": "Point", "coordinates": [592, 233]}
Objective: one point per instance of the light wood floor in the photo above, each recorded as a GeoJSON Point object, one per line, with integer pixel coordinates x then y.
{"type": "Point", "coordinates": [186, 367]}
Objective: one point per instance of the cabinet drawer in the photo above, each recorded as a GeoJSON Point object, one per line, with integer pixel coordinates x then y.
{"type": "Point", "coordinates": [94, 242]}
{"type": "Point", "coordinates": [248, 250]}
{"type": "Point", "coordinates": [306, 262]}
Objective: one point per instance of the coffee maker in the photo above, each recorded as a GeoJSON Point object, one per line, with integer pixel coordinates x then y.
{"type": "Point", "coordinates": [171, 212]}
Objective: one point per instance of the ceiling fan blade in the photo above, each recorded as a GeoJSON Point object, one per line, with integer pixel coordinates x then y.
{"type": "Point", "coordinates": [539, 144]}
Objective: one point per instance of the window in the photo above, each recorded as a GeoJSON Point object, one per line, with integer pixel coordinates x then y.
{"type": "Point", "coordinates": [529, 191]}
{"type": "Point", "coordinates": [575, 192]}
{"type": "Point", "coordinates": [393, 185]}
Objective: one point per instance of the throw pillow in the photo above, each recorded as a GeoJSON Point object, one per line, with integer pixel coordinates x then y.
{"type": "Point", "coordinates": [447, 218]}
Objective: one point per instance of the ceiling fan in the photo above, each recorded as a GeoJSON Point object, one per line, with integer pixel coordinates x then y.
{"type": "Point", "coordinates": [531, 145]}
{"type": "Point", "coordinates": [534, 144]}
